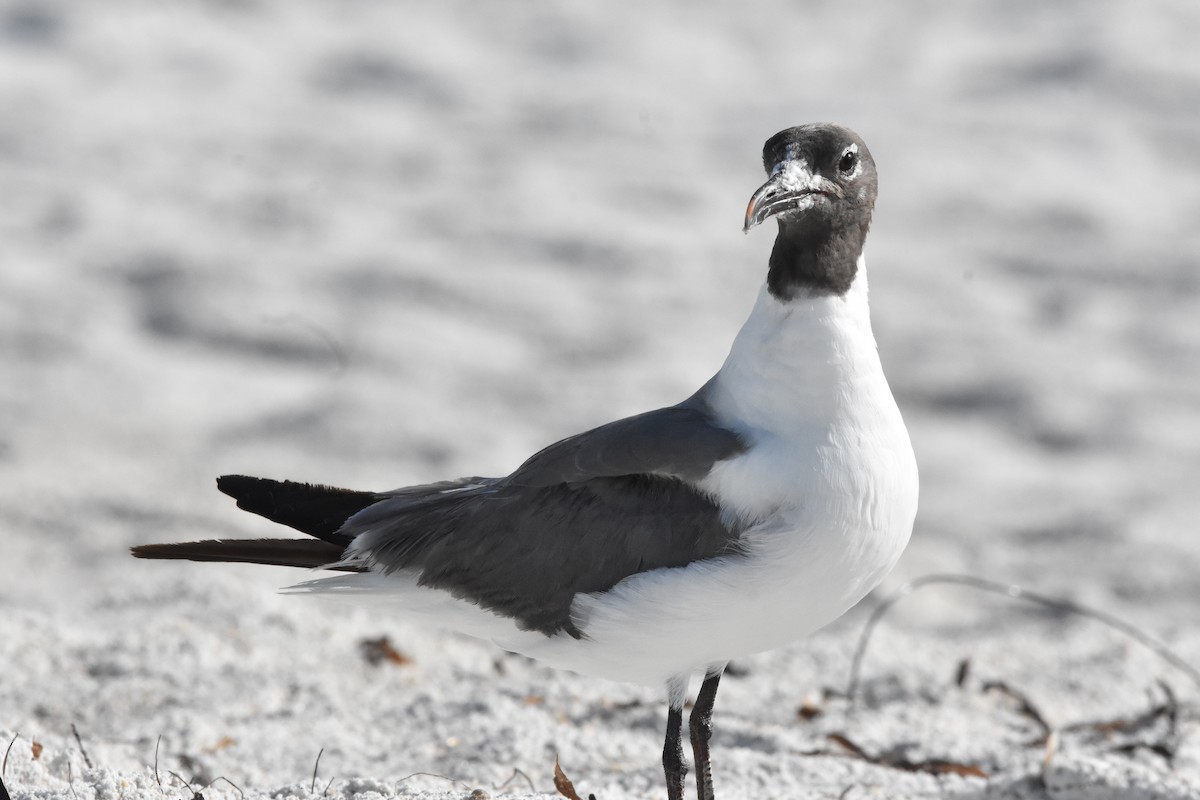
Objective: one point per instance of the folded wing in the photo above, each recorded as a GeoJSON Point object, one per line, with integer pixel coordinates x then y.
{"type": "Point", "coordinates": [577, 517]}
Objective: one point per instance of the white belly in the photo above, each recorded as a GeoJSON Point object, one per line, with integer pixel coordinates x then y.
{"type": "Point", "coordinates": [802, 567]}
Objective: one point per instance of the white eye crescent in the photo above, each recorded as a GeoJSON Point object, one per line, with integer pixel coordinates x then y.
{"type": "Point", "coordinates": [848, 165]}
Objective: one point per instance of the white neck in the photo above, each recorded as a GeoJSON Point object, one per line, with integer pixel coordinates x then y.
{"type": "Point", "coordinates": [800, 362]}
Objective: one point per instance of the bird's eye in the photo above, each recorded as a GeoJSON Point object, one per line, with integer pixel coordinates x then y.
{"type": "Point", "coordinates": [848, 162]}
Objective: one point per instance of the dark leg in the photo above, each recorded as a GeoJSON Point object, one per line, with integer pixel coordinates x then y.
{"type": "Point", "coordinates": [700, 724]}
{"type": "Point", "coordinates": [673, 754]}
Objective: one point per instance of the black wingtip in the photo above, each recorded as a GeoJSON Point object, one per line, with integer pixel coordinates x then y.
{"type": "Point", "coordinates": [237, 486]}
{"type": "Point", "coordinates": [310, 508]}
{"type": "Point", "coordinates": [142, 551]}
{"type": "Point", "coordinates": [306, 553]}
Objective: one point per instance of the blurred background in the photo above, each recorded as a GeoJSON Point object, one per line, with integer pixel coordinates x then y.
{"type": "Point", "coordinates": [373, 243]}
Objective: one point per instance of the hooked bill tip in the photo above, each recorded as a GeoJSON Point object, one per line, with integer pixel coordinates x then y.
{"type": "Point", "coordinates": [749, 221]}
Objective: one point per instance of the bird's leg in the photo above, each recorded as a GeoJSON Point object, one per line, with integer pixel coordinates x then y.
{"type": "Point", "coordinates": [672, 758]}
{"type": "Point", "coordinates": [673, 764]}
{"type": "Point", "coordinates": [700, 726]}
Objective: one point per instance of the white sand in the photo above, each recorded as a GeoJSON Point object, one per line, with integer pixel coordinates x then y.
{"type": "Point", "coordinates": [334, 242]}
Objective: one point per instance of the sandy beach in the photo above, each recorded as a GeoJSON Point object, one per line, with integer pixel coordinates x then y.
{"type": "Point", "coordinates": [372, 244]}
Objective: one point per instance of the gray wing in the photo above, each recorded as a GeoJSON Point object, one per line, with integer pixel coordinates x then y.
{"type": "Point", "coordinates": [680, 442]}
{"type": "Point", "coordinates": [579, 516]}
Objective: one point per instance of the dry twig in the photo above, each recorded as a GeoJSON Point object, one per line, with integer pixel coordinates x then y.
{"type": "Point", "coordinates": [512, 778]}
{"type": "Point", "coordinates": [79, 741]}
{"type": "Point", "coordinates": [1016, 592]}
{"type": "Point", "coordinates": [157, 779]}
{"type": "Point", "coordinates": [931, 766]}
{"type": "Point", "coordinates": [313, 787]}
{"type": "Point", "coordinates": [4, 768]}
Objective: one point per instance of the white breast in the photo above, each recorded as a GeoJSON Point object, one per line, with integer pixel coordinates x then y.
{"type": "Point", "coordinates": [829, 485]}
{"type": "Point", "coordinates": [804, 385]}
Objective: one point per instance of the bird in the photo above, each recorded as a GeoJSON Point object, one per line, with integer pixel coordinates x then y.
{"type": "Point", "coordinates": [657, 548]}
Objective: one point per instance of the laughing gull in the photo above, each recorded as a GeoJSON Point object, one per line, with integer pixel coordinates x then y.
{"type": "Point", "coordinates": [661, 546]}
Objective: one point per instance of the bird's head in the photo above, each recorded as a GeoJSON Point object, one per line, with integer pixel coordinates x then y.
{"type": "Point", "coordinates": [821, 188]}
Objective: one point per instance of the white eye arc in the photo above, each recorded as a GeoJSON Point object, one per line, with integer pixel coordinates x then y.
{"type": "Point", "coordinates": [849, 165]}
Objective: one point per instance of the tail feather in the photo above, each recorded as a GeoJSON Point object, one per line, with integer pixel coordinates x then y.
{"type": "Point", "coordinates": [309, 508]}
{"type": "Point", "coordinates": [308, 553]}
